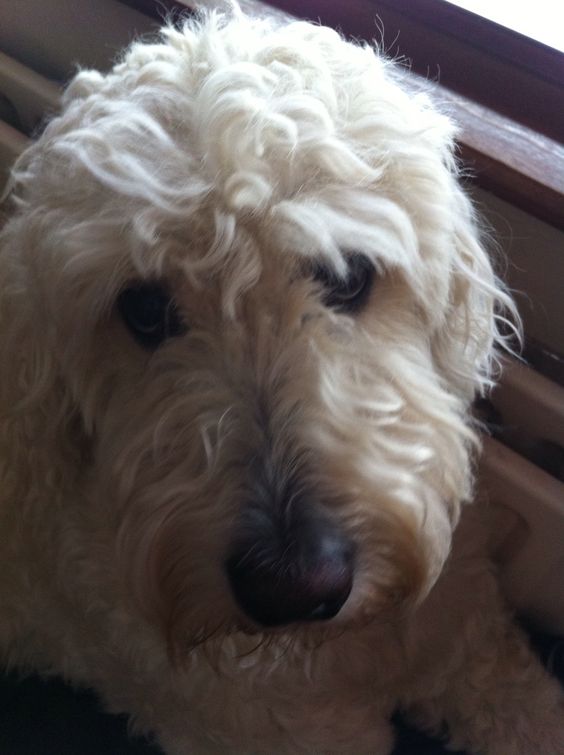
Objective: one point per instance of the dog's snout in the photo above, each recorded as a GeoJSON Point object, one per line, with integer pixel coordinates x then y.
{"type": "Point", "coordinates": [303, 572]}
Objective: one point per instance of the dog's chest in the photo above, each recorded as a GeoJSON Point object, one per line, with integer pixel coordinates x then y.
{"type": "Point", "coordinates": [295, 699]}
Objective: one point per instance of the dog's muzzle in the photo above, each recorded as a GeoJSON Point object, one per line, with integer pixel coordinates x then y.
{"type": "Point", "coordinates": [296, 568]}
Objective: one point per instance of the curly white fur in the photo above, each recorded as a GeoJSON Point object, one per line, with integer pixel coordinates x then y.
{"type": "Point", "coordinates": [224, 160]}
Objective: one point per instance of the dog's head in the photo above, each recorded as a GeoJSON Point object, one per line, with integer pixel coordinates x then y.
{"type": "Point", "coordinates": [247, 311]}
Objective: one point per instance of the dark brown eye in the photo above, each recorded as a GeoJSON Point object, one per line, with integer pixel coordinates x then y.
{"type": "Point", "coordinates": [150, 314]}
{"type": "Point", "coordinates": [347, 294]}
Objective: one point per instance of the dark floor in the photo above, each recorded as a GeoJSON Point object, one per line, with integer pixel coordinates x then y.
{"type": "Point", "coordinates": [49, 718]}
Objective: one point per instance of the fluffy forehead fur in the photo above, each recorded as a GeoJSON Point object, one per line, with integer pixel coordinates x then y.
{"type": "Point", "coordinates": [225, 160]}
{"type": "Point", "coordinates": [277, 142]}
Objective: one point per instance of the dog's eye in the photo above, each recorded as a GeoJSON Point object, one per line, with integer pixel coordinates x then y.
{"type": "Point", "coordinates": [150, 314]}
{"type": "Point", "coordinates": [350, 293]}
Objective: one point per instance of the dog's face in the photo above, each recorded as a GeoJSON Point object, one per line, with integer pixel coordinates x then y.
{"type": "Point", "coordinates": [258, 313]}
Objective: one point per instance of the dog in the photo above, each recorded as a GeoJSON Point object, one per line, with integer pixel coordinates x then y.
{"type": "Point", "coordinates": [245, 309]}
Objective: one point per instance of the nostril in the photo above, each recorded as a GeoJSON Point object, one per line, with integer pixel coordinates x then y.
{"type": "Point", "coordinates": [327, 585]}
{"type": "Point", "coordinates": [308, 581]}
{"type": "Point", "coordinates": [324, 611]}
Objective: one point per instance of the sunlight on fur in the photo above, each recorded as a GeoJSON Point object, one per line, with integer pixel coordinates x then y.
{"type": "Point", "coordinates": [245, 309]}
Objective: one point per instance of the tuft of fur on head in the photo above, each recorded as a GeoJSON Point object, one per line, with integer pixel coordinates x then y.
{"type": "Point", "coordinates": [226, 160]}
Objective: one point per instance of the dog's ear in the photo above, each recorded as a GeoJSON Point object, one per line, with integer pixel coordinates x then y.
{"type": "Point", "coordinates": [36, 410]}
{"type": "Point", "coordinates": [480, 319]}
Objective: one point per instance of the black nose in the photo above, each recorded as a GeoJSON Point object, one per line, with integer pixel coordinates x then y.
{"type": "Point", "coordinates": [299, 571]}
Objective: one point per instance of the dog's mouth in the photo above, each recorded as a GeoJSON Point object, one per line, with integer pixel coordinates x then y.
{"type": "Point", "coordinates": [240, 636]}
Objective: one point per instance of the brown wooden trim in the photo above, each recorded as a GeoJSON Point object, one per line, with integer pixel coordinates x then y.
{"type": "Point", "coordinates": [495, 40]}
{"type": "Point", "coordinates": [546, 362]}
{"type": "Point", "coordinates": [510, 160]}
{"type": "Point", "coordinates": [160, 10]}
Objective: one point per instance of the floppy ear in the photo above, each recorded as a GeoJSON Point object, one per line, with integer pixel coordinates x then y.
{"type": "Point", "coordinates": [480, 319]}
{"type": "Point", "coordinates": [38, 421]}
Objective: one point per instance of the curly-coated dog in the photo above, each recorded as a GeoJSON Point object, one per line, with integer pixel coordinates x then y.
{"type": "Point", "coordinates": [244, 311]}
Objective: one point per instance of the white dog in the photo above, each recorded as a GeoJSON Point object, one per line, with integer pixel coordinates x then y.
{"type": "Point", "coordinates": [244, 311]}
